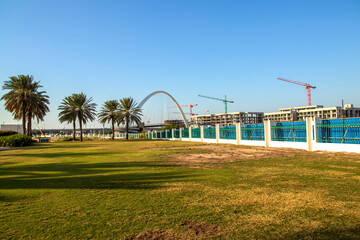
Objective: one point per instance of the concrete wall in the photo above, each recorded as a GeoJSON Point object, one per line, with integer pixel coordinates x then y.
{"type": "Point", "coordinates": [310, 145]}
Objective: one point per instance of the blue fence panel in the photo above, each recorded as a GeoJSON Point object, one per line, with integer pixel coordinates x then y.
{"type": "Point", "coordinates": [253, 132]}
{"type": "Point", "coordinates": [185, 133]}
{"type": "Point", "coordinates": [195, 133]}
{"type": "Point", "coordinates": [289, 132]}
{"type": "Point", "coordinates": [168, 134]}
{"type": "Point", "coordinates": [163, 134]}
{"type": "Point", "coordinates": [176, 133]}
{"type": "Point", "coordinates": [210, 132]}
{"type": "Point", "coordinates": [339, 131]}
{"type": "Point", "coordinates": [228, 132]}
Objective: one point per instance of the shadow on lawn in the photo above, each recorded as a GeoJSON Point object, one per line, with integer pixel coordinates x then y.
{"type": "Point", "coordinates": [336, 233]}
{"type": "Point", "coordinates": [75, 175]}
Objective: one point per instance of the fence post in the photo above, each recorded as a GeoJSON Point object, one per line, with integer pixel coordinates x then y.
{"type": "Point", "coordinates": [217, 132]}
{"type": "Point", "coordinates": [202, 133]}
{"type": "Point", "coordinates": [267, 129]}
{"type": "Point", "coordinates": [172, 134]}
{"type": "Point", "coordinates": [189, 133]}
{"type": "Point", "coordinates": [180, 134]}
{"type": "Point", "coordinates": [238, 133]}
{"type": "Point", "coordinates": [309, 134]}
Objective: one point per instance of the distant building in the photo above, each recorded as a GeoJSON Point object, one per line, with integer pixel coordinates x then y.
{"type": "Point", "coordinates": [227, 119]}
{"type": "Point", "coordinates": [12, 127]}
{"type": "Point", "coordinates": [175, 122]}
{"type": "Point", "coordinates": [300, 113]}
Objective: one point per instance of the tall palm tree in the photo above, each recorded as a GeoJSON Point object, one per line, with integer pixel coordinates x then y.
{"type": "Point", "coordinates": [110, 113]}
{"type": "Point", "coordinates": [37, 107]}
{"type": "Point", "coordinates": [24, 100]}
{"type": "Point", "coordinates": [68, 113]}
{"type": "Point", "coordinates": [85, 110]}
{"type": "Point", "coordinates": [129, 113]}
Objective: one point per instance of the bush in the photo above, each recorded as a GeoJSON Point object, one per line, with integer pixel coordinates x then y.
{"type": "Point", "coordinates": [4, 133]}
{"type": "Point", "coordinates": [17, 140]}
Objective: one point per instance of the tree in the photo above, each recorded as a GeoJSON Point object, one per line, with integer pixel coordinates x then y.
{"type": "Point", "coordinates": [37, 107]}
{"type": "Point", "coordinates": [85, 110]}
{"type": "Point", "coordinates": [24, 100]}
{"type": "Point", "coordinates": [68, 113]}
{"type": "Point", "coordinates": [129, 113]}
{"type": "Point", "coordinates": [110, 113]}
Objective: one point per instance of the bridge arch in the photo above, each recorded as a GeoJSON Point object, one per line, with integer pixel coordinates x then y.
{"type": "Point", "coordinates": [163, 92]}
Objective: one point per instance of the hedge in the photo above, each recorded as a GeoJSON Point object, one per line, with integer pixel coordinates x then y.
{"type": "Point", "coordinates": [4, 133]}
{"type": "Point", "coordinates": [17, 140]}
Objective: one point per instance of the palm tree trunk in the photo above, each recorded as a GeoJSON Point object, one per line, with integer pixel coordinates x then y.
{"type": "Point", "coordinates": [127, 129]}
{"type": "Point", "coordinates": [74, 131]}
{"type": "Point", "coordinates": [24, 121]}
{"type": "Point", "coordinates": [113, 129]}
{"type": "Point", "coordinates": [80, 123]}
{"type": "Point", "coordinates": [29, 133]}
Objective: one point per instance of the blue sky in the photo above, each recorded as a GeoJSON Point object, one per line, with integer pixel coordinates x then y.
{"type": "Point", "coordinates": [115, 49]}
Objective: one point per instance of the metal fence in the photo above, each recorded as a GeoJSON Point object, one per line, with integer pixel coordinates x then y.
{"type": "Point", "coordinates": [185, 133]}
{"type": "Point", "coordinates": [163, 134]}
{"type": "Point", "coordinates": [253, 132]}
{"type": "Point", "coordinates": [168, 134]}
{"type": "Point", "coordinates": [228, 132]}
{"type": "Point", "coordinates": [289, 132]}
{"type": "Point", "coordinates": [210, 133]}
{"type": "Point", "coordinates": [176, 133]}
{"type": "Point", "coordinates": [195, 133]}
{"type": "Point", "coordinates": [339, 131]}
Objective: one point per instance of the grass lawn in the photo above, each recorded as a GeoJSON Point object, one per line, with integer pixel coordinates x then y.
{"type": "Point", "coordinates": [177, 190]}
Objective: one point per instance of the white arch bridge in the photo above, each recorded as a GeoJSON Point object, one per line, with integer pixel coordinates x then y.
{"type": "Point", "coordinates": [172, 98]}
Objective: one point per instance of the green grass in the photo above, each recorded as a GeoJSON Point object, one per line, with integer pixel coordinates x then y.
{"type": "Point", "coordinates": [135, 189]}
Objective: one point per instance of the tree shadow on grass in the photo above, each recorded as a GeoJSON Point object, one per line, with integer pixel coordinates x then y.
{"type": "Point", "coordinates": [63, 154]}
{"type": "Point", "coordinates": [335, 233]}
{"type": "Point", "coordinates": [74, 175]}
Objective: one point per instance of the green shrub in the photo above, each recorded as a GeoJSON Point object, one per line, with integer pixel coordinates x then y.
{"type": "Point", "coordinates": [4, 133]}
{"type": "Point", "coordinates": [17, 140]}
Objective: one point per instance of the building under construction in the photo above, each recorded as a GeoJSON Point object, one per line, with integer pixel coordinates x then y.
{"type": "Point", "coordinates": [227, 119]}
{"type": "Point", "coordinates": [300, 113]}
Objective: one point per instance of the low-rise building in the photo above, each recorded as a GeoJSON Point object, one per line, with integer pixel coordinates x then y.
{"type": "Point", "coordinates": [12, 127]}
{"type": "Point", "coordinates": [174, 122]}
{"type": "Point", "coordinates": [300, 113]}
{"type": "Point", "coordinates": [227, 119]}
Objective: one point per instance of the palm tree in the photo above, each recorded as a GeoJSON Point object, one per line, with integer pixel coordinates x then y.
{"type": "Point", "coordinates": [110, 113]}
{"type": "Point", "coordinates": [85, 110]}
{"type": "Point", "coordinates": [68, 113]}
{"type": "Point", "coordinates": [129, 113]}
{"type": "Point", "coordinates": [24, 100]}
{"type": "Point", "coordinates": [37, 107]}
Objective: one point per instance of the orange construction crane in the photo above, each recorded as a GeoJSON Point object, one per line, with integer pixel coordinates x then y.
{"type": "Point", "coordinates": [188, 105]}
{"type": "Point", "coordinates": [307, 86]}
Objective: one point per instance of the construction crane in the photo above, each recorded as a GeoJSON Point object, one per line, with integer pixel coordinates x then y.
{"type": "Point", "coordinates": [307, 86]}
{"type": "Point", "coordinates": [225, 101]}
{"type": "Point", "coordinates": [187, 105]}
{"type": "Point", "coordinates": [191, 114]}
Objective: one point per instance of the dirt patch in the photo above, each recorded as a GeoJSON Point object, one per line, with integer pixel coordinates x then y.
{"type": "Point", "coordinates": [155, 234]}
{"type": "Point", "coordinates": [201, 228]}
{"type": "Point", "coordinates": [222, 154]}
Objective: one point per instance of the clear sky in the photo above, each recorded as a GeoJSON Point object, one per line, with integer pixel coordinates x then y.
{"type": "Point", "coordinates": [115, 49]}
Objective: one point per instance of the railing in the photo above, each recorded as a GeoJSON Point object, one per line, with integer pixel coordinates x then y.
{"type": "Point", "coordinates": [176, 133]}
{"type": "Point", "coordinates": [185, 133]}
{"type": "Point", "coordinates": [253, 132]}
{"type": "Point", "coordinates": [289, 132]}
{"type": "Point", "coordinates": [210, 133]}
{"type": "Point", "coordinates": [339, 131]}
{"type": "Point", "coordinates": [228, 132]}
{"type": "Point", "coordinates": [196, 133]}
